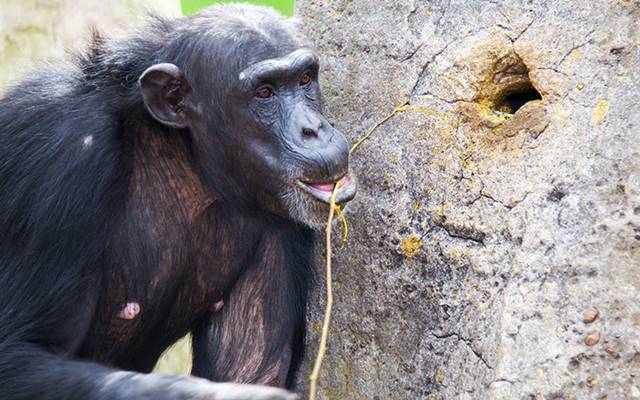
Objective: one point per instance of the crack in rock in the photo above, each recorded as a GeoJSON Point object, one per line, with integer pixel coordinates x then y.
{"type": "Point", "coordinates": [467, 342]}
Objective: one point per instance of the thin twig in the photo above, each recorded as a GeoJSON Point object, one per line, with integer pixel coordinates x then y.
{"type": "Point", "coordinates": [376, 126]}
{"type": "Point", "coordinates": [313, 379]}
{"type": "Point", "coordinates": [345, 226]}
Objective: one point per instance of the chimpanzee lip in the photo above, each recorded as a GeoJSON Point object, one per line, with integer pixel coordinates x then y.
{"type": "Point", "coordinates": [321, 191]}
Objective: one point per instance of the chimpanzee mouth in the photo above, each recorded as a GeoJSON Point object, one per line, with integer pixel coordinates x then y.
{"type": "Point", "coordinates": [322, 191]}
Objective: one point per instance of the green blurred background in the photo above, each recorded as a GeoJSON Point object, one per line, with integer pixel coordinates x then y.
{"type": "Point", "coordinates": [193, 6]}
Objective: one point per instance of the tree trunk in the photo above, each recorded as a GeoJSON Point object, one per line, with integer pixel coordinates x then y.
{"type": "Point", "coordinates": [497, 212]}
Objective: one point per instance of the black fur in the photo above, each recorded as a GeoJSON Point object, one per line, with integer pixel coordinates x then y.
{"type": "Point", "coordinates": [80, 234]}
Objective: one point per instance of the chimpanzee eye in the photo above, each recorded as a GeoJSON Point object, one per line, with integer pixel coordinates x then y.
{"type": "Point", "coordinates": [306, 78]}
{"type": "Point", "coordinates": [264, 92]}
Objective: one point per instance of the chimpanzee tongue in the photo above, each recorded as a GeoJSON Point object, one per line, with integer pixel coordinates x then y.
{"type": "Point", "coordinates": [323, 187]}
{"type": "Point", "coordinates": [328, 187]}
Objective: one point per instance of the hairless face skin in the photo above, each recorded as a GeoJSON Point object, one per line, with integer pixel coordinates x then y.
{"type": "Point", "coordinates": [303, 155]}
{"type": "Point", "coordinates": [326, 148]}
{"type": "Point", "coordinates": [164, 184]}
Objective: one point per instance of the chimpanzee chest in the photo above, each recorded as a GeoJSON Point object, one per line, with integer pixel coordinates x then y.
{"type": "Point", "coordinates": [170, 261]}
{"type": "Point", "coordinates": [146, 310]}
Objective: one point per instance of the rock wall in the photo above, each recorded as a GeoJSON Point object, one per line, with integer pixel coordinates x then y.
{"type": "Point", "coordinates": [493, 248]}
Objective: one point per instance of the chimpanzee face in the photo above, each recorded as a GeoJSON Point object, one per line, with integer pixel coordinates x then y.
{"type": "Point", "coordinates": [293, 153]}
{"type": "Point", "coordinates": [260, 139]}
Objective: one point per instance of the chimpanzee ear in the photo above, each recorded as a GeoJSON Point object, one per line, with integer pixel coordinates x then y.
{"type": "Point", "coordinates": [163, 88]}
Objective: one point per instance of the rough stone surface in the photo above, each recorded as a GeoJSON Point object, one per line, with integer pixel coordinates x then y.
{"type": "Point", "coordinates": [481, 236]}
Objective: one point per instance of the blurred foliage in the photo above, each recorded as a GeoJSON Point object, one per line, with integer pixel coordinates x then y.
{"type": "Point", "coordinates": [33, 32]}
{"type": "Point", "coordinates": [193, 6]}
{"type": "Point", "coordinates": [177, 358]}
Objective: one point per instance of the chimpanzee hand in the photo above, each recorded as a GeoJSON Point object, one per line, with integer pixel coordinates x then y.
{"type": "Point", "coordinates": [129, 385]}
{"type": "Point", "coordinates": [235, 391]}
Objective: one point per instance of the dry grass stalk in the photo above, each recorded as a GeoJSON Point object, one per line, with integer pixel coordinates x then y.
{"type": "Point", "coordinates": [313, 378]}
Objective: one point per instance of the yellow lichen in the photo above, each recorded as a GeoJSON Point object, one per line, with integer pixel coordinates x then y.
{"type": "Point", "coordinates": [411, 246]}
{"type": "Point", "coordinates": [388, 179]}
{"type": "Point", "coordinates": [416, 108]}
{"type": "Point", "coordinates": [441, 208]}
{"type": "Point", "coordinates": [575, 54]}
{"type": "Point", "coordinates": [599, 111]}
{"type": "Point", "coordinates": [439, 376]}
{"type": "Point", "coordinates": [495, 117]}
{"type": "Point", "coordinates": [580, 86]}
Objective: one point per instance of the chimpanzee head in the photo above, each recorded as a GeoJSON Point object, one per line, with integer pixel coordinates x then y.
{"type": "Point", "coordinates": [243, 82]}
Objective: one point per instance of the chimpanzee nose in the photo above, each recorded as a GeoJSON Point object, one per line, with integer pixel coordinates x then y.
{"type": "Point", "coordinates": [325, 149]}
{"type": "Point", "coordinates": [309, 132]}
{"type": "Point", "coordinates": [311, 127]}
{"type": "Point", "coordinates": [328, 158]}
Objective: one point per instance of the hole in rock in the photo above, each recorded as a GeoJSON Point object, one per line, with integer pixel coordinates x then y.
{"type": "Point", "coordinates": [508, 87]}
{"type": "Point", "coordinates": [514, 101]}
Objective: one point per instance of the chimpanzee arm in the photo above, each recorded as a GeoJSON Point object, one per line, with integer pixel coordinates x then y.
{"type": "Point", "coordinates": [39, 333]}
{"type": "Point", "coordinates": [258, 334]}
{"type": "Point", "coordinates": [31, 373]}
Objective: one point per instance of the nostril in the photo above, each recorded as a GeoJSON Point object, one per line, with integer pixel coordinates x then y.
{"type": "Point", "coordinates": [306, 132]}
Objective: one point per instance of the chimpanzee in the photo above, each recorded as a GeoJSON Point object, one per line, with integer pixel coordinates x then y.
{"type": "Point", "coordinates": [163, 184]}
